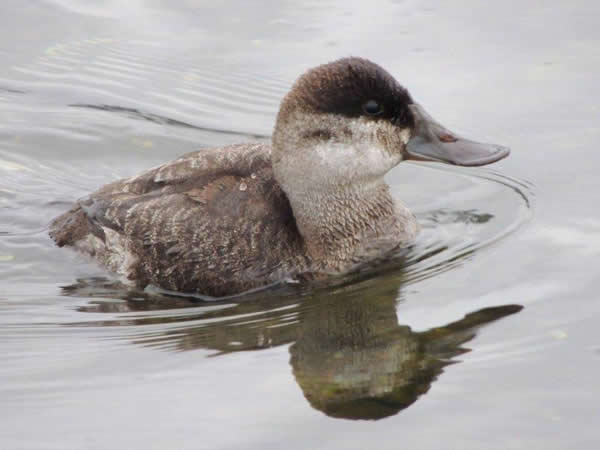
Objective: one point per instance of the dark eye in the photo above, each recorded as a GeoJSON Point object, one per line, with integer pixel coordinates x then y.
{"type": "Point", "coordinates": [372, 107]}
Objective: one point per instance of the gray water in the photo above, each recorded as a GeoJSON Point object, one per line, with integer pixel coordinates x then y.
{"type": "Point", "coordinates": [485, 337]}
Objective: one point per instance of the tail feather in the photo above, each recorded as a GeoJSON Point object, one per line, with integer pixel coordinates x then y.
{"type": "Point", "coordinates": [73, 226]}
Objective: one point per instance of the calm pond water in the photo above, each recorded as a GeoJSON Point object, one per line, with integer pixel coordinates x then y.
{"type": "Point", "coordinates": [486, 336]}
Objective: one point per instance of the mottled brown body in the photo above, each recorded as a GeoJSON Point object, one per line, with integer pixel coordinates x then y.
{"type": "Point", "coordinates": [213, 222]}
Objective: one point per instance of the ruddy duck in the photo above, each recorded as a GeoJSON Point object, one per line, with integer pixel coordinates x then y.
{"type": "Point", "coordinates": [221, 221]}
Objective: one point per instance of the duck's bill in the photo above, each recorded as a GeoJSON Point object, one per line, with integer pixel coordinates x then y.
{"type": "Point", "coordinates": [433, 142]}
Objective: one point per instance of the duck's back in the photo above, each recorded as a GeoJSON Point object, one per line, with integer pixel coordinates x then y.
{"type": "Point", "coordinates": [213, 222]}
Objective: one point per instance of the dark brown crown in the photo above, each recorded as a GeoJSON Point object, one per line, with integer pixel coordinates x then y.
{"type": "Point", "coordinates": [345, 86]}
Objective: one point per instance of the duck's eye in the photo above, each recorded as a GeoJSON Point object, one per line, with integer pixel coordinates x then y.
{"type": "Point", "coordinates": [372, 107]}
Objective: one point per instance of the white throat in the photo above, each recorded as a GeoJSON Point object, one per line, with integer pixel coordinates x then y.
{"type": "Point", "coordinates": [332, 170]}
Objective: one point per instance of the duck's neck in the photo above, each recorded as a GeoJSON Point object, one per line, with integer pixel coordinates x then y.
{"type": "Point", "coordinates": [348, 223]}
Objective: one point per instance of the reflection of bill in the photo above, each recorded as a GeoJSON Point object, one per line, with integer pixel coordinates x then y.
{"type": "Point", "coordinates": [350, 356]}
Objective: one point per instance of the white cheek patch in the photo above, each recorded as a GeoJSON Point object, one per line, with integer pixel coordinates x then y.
{"type": "Point", "coordinates": [362, 154]}
{"type": "Point", "coordinates": [360, 149]}
{"type": "Point", "coordinates": [340, 160]}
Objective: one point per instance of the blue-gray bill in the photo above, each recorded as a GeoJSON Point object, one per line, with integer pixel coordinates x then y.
{"type": "Point", "coordinates": [433, 142]}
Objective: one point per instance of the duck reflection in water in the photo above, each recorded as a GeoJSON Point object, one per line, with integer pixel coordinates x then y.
{"type": "Point", "coordinates": [349, 354]}
{"type": "Point", "coordinates": [356, 362]}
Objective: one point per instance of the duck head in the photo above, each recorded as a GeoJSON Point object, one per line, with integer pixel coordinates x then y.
{"type": "Point", "coordinates": [347, 123]}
